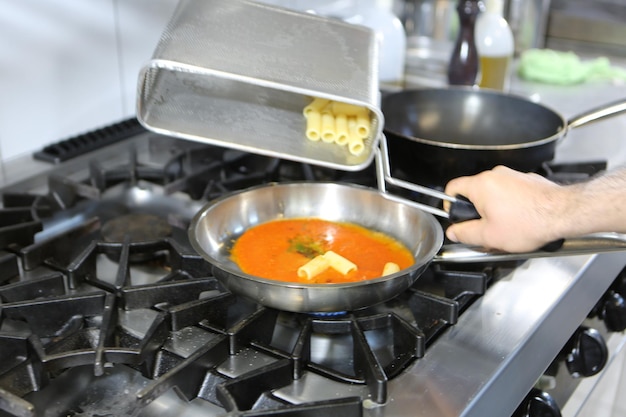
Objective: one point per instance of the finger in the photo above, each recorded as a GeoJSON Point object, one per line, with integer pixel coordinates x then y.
{"type": "Point", "coordinates": [503, 169]}
{"type": "Point", "coordinates": [469, 232]}
{"type": "Point", "coordinates": [455, 187]}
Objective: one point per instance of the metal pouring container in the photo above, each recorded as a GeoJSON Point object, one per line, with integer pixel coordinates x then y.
{"type": "Point", "coordinates": [238, 74]}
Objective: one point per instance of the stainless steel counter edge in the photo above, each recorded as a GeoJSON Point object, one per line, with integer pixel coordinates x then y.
{"type": "Point", "coordinates": [486, 364]}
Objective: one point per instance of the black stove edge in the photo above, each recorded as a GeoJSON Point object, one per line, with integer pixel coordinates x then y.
{"type": "Point", "coordinates": [90, 141]}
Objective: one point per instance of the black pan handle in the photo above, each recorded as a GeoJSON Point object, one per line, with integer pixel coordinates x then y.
{"type": "Point", "coordinates": [462, 210]}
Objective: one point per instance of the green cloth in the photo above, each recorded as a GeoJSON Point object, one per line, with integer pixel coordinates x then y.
{"type": "Point", "coordinates": [555, 67]}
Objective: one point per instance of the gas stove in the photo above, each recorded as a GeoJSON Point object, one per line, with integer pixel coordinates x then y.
{"type": "Point", "coordinates": [106, 310]}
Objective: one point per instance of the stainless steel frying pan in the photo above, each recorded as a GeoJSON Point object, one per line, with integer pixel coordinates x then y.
{"type": "Point", "coordinates": [216, 226]}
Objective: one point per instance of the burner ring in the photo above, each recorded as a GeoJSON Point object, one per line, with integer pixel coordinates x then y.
{"type": "Point", "coordinates": [138, 227]}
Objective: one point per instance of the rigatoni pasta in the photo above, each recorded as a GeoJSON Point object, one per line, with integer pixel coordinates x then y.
{"type": "Point", "coordinates": [314, 125]}
{"type": "Point", "coordinates": [339, 263]}
{"type": "Point", "coordinates": [328, 127]}
{"type": "Point", "coordinates": [321, 263]}
{"type": "Point", "coordinates": [363, 124]}
{"type": "Point", "coordinates": [315, 106]}
{"type": "Point", "coordinates": [346, 108]}
{"type": "Point", "coordinates": [331, 122]}
{"type": "Point", "coordinates": [390, 268]}
{"type": "Point", "coordinates": [313, 267]}
{"type": "Point", "coordinates": [355, 141]}
{"type": "Point", "coordinates": [342, 135]}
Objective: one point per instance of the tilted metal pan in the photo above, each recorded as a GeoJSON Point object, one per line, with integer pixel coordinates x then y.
{"type": "Point", "coordinates": [239, 73]}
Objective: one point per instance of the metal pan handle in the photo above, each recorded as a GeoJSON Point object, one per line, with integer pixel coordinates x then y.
{"type": "Point", "coordinates": [461, 209]}
{"type": "Point", "coordinates": [586, 245]}
{"type": "Point", "coordinates": [598, 113]}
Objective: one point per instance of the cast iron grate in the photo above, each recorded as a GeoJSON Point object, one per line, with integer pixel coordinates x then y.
{"type": "Point", "coordinates": [78, 322]}
{"type": "Point", "coordinates": [62, 313]}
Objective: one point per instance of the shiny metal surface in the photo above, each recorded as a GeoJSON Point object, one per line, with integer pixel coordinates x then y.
{"type": "Point", "coordinates": [220, 222]}
{"type": "Point", "coordinates": [586, 245]}
{"type": "Point", "coordinates": [599, 113]}
{"type": "Point", "coordinates": [384, 177]}
{"type": "Point", "coordinates": [215, 80]}
{"type": "Point", "coordinates": [488, 361]}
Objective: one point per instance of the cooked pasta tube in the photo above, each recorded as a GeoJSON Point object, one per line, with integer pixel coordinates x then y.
{"type": "Point", "coordinates": [390, 268]}
{"type": "Point", "coordinates": [355, 141]}
{"type": "Point", "coordinates": [363, 124]}
{"type": "Point", "coordinates": [339, 263]}
{"type": "Point", "coordinates": [346, 108]}
{"type": "Point", "coordinates": [314, 126]}
{"type": "Point", "coordinates": [356, 146]}
{"type": "Point", "coordinates": [328, 127]}
{"type": "Point", "coordinates": [329, 121]}
{"type": "Point", "coordinates": [316, 105]}
{"type": "Point", "coordinates": [314, 267]}
{"type": "Point", "coordinates": [342, 135]}
{"type": "Point", "coordinates": [361, 114]}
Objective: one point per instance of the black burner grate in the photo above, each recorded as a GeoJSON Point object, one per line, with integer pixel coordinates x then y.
{"type": "Point", "coordinates": [80, 307]}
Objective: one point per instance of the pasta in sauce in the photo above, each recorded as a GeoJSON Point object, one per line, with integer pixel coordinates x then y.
{"type": "Point", "coordinates": [278, 248]}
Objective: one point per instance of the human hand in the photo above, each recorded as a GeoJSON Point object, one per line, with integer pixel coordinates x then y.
{"type": "Point", "coordinates": [519, 212]}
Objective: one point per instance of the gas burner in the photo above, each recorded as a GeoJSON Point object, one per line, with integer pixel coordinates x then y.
{"type": "Point", "coordinates": [574, 172]}
{"type": "Point", "coordinates": [177, 327]}
{"type": "Point", "coordinates": [136, 228]}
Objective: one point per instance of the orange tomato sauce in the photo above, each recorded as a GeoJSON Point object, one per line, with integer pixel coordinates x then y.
{"type": "Point", "coordinates": [276, 249]}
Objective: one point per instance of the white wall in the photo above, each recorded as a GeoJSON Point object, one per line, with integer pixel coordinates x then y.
{"type": "Point", "coordinates": [69, 66]}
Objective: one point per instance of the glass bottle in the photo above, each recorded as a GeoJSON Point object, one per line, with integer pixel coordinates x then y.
{"type": "Point", "coordinates": [463, 68]}
{"type": "Point", "coordinates": [495, 46]}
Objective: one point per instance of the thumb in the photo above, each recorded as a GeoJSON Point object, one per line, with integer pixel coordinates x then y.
{"type": "Point", "coordinates": [467, 232]}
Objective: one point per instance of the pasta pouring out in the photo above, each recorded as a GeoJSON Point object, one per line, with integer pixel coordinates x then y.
{"type": "Point", "coordinates": [335, 122]}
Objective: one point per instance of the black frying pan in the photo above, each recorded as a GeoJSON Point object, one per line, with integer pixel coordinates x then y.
{"type": "Point", "coordinates": [435, 135]}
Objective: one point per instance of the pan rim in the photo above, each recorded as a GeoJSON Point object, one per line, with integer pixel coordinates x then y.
{"type": "Point", "coordinates": [204, 211]}
{"type": "Point", "coordinates": [470, 147]}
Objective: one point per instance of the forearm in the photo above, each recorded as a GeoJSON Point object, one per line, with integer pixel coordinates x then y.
{"type": "Point", "coordinates": [595, 206]}
{"type": "Point", "coordinates": [521, 212]}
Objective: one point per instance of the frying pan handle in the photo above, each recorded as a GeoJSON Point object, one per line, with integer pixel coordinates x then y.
{"type": "Point", "coordinates": [462, 210]}
{"type": "Point", "coordinates": [586, 245]}
{"type": "Point", "coordinates": [598, 113]}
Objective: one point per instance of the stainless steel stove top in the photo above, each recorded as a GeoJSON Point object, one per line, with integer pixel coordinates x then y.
{"type": "Point", "coordinates": [480, 353]}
